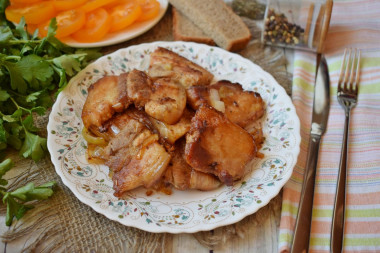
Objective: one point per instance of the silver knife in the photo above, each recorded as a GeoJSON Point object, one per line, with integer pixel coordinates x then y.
{"type": "Point", "coordinates": [321, 107]}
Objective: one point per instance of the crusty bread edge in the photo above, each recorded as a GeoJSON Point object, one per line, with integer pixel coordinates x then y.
{"type": "Point", "coordinates": [178, 36]}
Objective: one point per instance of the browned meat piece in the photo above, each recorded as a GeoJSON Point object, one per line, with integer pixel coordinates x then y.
{"type": "Point", "coordinates": [165, 99]}
{"type": "Point", "coordinates": [133, 153]}
{"type": "Point", "coordinates": [240, 106]}
{"type": "Point", "coordinates": [165, 63]}
{"type": "Point", "coordinates": [183, 177]}
{"type": "Point", "coordinates": [105, 97]}
{"type": "Point", "coordinates": [198, 95]}
{"type": "Point", "coordinates": [139, 87]}
{"type": "Point", "coordinates": [171, 133]}
{"type": "Point", "coordinates": [167, 102]}
{"type": "Point", "coordinates": [145, 170]}
{"type": "Point", "coordinates": [216, 145]}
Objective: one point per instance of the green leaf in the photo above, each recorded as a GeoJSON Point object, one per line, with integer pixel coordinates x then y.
{"type": "Point", "coordinates": [70, 63]}
{"type": "Point", "coordinates": [45, 100]}
{"type": "Point", "coordinates": [20, 29]}
{"type": "Point", "coordinates": [5, 35]}
{"type": "Point", "coordinates": [17, 82]}
{"type": "Point", "coordinates": [52, 28]}
{"type": "Point", "coordinates": [17, 113]}
{"type": "Point", "coordinates": [28, 123]}
{"type": "Point", "coordinates": [3, 5]}
{"type": "Point", "coordinates": [62, 78]}
{"type": "Point", "coordinates": [3, 137]}
{"type": "Point", "coordinates": [5, 166]}
{"type": "Point", "coordinates": [34, 146]}
{"type": "Point", "coordinates": [14, 209]}
{"type": "Point", "coordinates": [40, 193]}
{"type": "Point", "coordinates": [33, 96]}
{"type": "Point", "coordinates": [22, 210]}
{"type": "Point", "coordinates": [39, 109]}
{"type": "Point", "coordinates": [3, 95]}
{"type": "Point", "coordinates": [21, 193]}
{"type": "Point", "coordinates": [29, 192]}
{"type": "Point", "coordinates": [34, 68]}
{"type": "Point", "coordinates": [48, 184]}
{"type": "Point", "coordinates": [14, 141]}
{"type": "Point", "coordinates": [9, 118]}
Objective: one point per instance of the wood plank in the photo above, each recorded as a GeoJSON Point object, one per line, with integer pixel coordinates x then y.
{"type": "Point", "coordinates": [187, 243]}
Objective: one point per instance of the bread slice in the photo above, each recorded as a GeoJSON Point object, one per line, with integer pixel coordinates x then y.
{"type": "Point", "coordinates": [216, 20]}
{"type": "Point", "coordinates": [184, 29]}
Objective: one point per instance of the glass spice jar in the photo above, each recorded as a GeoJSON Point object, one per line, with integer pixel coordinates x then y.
{"type": "Point", "coordinates": [301, 24]}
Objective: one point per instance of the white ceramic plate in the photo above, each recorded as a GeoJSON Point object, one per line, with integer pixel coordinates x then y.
{"type": "Point", "coordinates": [187, 211]}
{"type": "Point", "coordinates": [128, 33]}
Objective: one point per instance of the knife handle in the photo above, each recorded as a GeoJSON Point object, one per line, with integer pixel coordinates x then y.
{"type": "Point", "coordinates": [303, 223]}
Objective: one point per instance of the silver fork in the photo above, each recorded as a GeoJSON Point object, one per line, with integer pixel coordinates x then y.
{"type": "Point", "coordinates": [347, 98]}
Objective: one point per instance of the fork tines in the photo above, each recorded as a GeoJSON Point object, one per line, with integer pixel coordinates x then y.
{"type": "Point", "coordinates": [349, 77]}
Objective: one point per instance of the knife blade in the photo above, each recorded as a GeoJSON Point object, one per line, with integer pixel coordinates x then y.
{"type": "Point", "coordinates": [321, 107]}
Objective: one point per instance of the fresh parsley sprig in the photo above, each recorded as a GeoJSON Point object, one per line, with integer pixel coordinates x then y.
{"type": "Point", "coordinates": [19, 201]}
{"type": "Point", "coordinates": [30, 70]}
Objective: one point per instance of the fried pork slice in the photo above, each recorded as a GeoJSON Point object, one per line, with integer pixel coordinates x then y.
{"type": "Point", "coordinates": [133, 153]}
{"type": "Point", "coordinates": [167, 101]}
{"type": "Point", "coordinates": [105, 97]}
{"type": "Point", "coordinates": [183, 177]}
{"type": "Point", "coordinates": [171, 133]}
{"type": "Point", "coordinates": [144, 170]}
{"type": "Point", "coordinates": [240, 106]}
{"type": "Point", "coordinates": [139, 87]}
{"type": "Point", "coordinates": [165, 63]}
{"type": "Point", "coordinates": [216, 145]}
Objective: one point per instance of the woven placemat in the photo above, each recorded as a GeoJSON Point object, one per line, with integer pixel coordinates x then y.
{"type": "Point", "coordinates": [63, 223]}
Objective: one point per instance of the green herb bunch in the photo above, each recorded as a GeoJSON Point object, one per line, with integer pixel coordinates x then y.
{"type": "Point", "coordinates": [32, 71]}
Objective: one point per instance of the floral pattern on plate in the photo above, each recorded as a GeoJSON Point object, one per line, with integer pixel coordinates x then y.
{"type": "Point", "coordinates": [183, 211]}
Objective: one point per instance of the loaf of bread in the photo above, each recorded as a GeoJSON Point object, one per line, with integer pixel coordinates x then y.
{"type": "Point", "coordinates": [184, 29]}
{"type": "Point", "coordinates": [217, 21]}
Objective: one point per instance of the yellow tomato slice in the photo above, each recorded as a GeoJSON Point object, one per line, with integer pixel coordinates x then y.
{"type": "Point", "coordinates": [124, 15]}
{"type": "Point", "coordinates": [116, 3]}
{"type": "Point", "coordinates": [34, 13]}
{"type": "Point", "coordinates": [95, 4]}
{"type": "Point", "coordinates": [97, 24]}
{"type": "Point", "coordinates": [24, 1]}
{"type": "Point", "coordinates": [63, 5]}
{"type": "Point", "coordinates": [150, 9]}
{"type": "Point", "coordinates": [68, 22]}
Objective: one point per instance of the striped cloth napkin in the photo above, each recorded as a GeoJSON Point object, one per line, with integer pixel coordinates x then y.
{"type": "Point", "coordinates": [353, 24]}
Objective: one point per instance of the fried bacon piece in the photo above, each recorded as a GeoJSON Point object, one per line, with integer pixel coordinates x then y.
{"type": "Point", "coordinates": [216, 145]}
{"type": "Point", "coordinates": [133, 154]}
{"type": "Point", "coordinates": [167, 101]}
{"type": "Point", "coordinates": [164, 100]}
{"type": "Point", "coordinates": [139, 87]}
{"type": "Point", "coordinates": [240, 106]}
{"type": "Point", "coordinates": [183, 177]}
{"type": "Point", "coordinates": [105, 97]}
{"type": "Point", "coordinates": [165, 63]}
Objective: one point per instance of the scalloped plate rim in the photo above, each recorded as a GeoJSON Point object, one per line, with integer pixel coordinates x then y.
{"type": "Point", "coordinates": [199, 227]}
